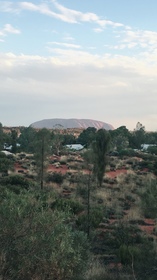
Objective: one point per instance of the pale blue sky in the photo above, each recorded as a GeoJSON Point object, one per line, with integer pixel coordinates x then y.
{"type": "Point", "coordinates": [79, 59]}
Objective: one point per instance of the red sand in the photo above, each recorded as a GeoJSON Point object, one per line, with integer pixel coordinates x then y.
{"type": "Point", "coordinates": [18, 167]}
{"type": "Point", "coordinates": [62, 169]}
{"type": "Point", "coordinates": [114, 174]}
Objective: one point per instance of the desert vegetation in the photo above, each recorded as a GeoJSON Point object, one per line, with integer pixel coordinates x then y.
{"type": "Point", "coordinates": [81, 215]}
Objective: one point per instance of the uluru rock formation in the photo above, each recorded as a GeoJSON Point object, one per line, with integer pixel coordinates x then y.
{"type": "Point", "coordinates": [71, 123]}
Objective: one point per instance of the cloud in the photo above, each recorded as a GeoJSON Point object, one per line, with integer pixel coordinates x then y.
{"type": "Point", "coordinates": [8, 7]}
{"type": "Point", "coordinates": [76, 82]}
{"type": "Point", "coordinates": [74, 16]}
{"type": "Point", "coordinates": [98, 30]}
{"type": "Point", "coordinates": [68, 37]}
{"type": "Point", "coordinates": [8, 29]}
{"type": "Point", "coordinates": [73, 83]}
{"type": "Point", "coordinates": [62, 13]}
{"type": "Point", "coordinates": [139, 39]}
{"type": "Point", "coordinates": [66, 45]}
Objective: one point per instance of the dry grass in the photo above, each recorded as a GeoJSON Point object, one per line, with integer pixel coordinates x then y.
{"type": "Point", "coordinates": [104, 194]}
{"type": "Point", "coordinates": [96, 271]}
{"type": "Point", "coordinates": [134, 213]}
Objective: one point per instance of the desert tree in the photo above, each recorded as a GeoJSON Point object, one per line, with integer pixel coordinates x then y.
{"type": "Point", "coordinates": [42, 150]}
{"type": "Point", "coordinates": [14, 137]}
{"type": "Point", "coordinates": [1, 137]}
{"type": "Point", "coordinates": [87, 136]}
{"type": "Point", "coordinates": [88, 158]}
{"type": "Point", "coordinates": [57, 143]}
{"type": "Point", "coordinates": [138, 136]}
{"type": "Point", "coordinates": [100, 148]}
{"type": "Point", "coordinates": [119, 138]}
{"type": "Point", "coordinates": [26, 139]}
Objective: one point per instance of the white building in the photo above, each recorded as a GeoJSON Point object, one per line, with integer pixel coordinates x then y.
{"type": "Point", "coordinates": [76, 147]}
{"type": "Point", "coordinates": [145, 147]}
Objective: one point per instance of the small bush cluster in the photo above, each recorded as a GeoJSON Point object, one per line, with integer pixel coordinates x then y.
{"type": "Point", "coordinates": [55, 177]}
{"type": "Point", "coordinates": [71, 205]}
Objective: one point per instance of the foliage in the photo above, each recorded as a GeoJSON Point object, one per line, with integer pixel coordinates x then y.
{"type": "Point", "coordinates": [62, 204]}
{"type": "Point", "coordinates": [119, 138]}
{"type": "Point", "coordinates": [27, 139]}
{"type": "Point", "coordinates": [145, 261]}
{"type": "Point", "coordinates": [14, 140]}
{"type": "Point", "coordinates": [16, 183]}
{"type": "Point", "coordinates": [68, 139]}
{"type": "Point", "coordinates": [57, 143]}
{"type": "Point", "coordinates": [37, 243]}
{"type": "Point", "coordinates": [87, 136]}
{"type": "Point", "coordinates": [82, 191]}
{"type": "Point", "coordinates": [128, 152]}
{"type": "Point", "coordinates": [141, 259]}
{"type": "Point", "coordinates": [6, 163]}
{"type": "Point", "coordinates": [95, 218]}
{"type": "Point", "coordinates": [42, 150]}
{"type": "Point", "coordinates": [151, 137]}
{"type": "Point", "coordinates": [100, 147]}
{"type": "Point", "coordinates": [1, 137]}
{"type": "Point", "coordinates": [137, 138]}
{"type": "Point", "coordinates": [126, 234]}
{"type": "Point", "coordinates": [152, 150]}
{"type": "Point", "coordinates": [149, 200]}
{"type": "Point", "coordinates": [128, 253]}
{"type": "Point", "coordinates": [55, 177]}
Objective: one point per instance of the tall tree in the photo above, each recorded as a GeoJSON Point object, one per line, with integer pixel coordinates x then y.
{"type": "Point", "coordinates": [14, 140]}
{"type": "Point", "coordinates": [57, 143]}
{"type": "Point", "coordinates": [27, 138]}
{"type": "Point", "coordinates": [42, 149]}
{"type": "Point", "coordinates": [87, 136]}
{"type": "Point", "coordinates": [138, 136]}
{"type": "Point", "coordinates": [100, 149]}
{"type": "Point", "coordinates": [1, 137]}
{"type": "Point", "coordinates": [120, 138]}
{"type": "Point", "coordinates": [88, 157]}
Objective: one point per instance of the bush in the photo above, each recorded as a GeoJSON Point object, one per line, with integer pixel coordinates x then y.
{"type": "Point", "coordinates": [16, 183]}
{"type": "Point", "coordinates": [82, 191]}
{"type": "Point", "coordinates": [149, 200]}
{"type": "Point", "coordinates": [55, 177]}
{"type": "Point", "coordinates": [128, 152]}
{"type": "Point", "coordinates": [152, 150]}
{"type": "Point", "coordinates": [95, 218]}
{"type": "Point", "coordinates": [126, 234]}
{"type": "Point", "coordinates": [71, 205]}
{"type": "Point", "coordinates": [128, 253]}
{"type": "Point", "coordinates": [37, 243]}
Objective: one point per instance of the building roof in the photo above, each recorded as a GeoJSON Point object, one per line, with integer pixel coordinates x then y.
{"type": "Point", "coordinates": [76, 147]}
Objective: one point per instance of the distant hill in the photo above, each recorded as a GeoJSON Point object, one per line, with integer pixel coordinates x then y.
{"type": "Point", "coordinates": [71, 123]}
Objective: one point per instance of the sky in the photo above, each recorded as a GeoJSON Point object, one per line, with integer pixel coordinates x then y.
{"type": "Point", "coordinates": [85, 59]}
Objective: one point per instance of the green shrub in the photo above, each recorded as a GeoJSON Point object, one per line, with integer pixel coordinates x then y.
{"type": "Point", "coordinates": [64, 204]}
{"type": "Point", "coordinates": [38, 243]}
{"type": "Point", "coordinates": [127, 152]}
{"type": "Point", "coordinates": [152, 150]}
{"type": "Point", "coordinates": [149, 200]}
{"type": "Point", "coordinates": [126, 234]}
{"type": "Point", "coordinates": [95, 218]}
{"type": "Point", "coordinates": [82, 191]}
{"type": "Point", "coordinates": [127, 254]}
{"type": "Point", "coordinates": [55, 177]}
{"type": "Point", "coordinates": [16, 183]}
